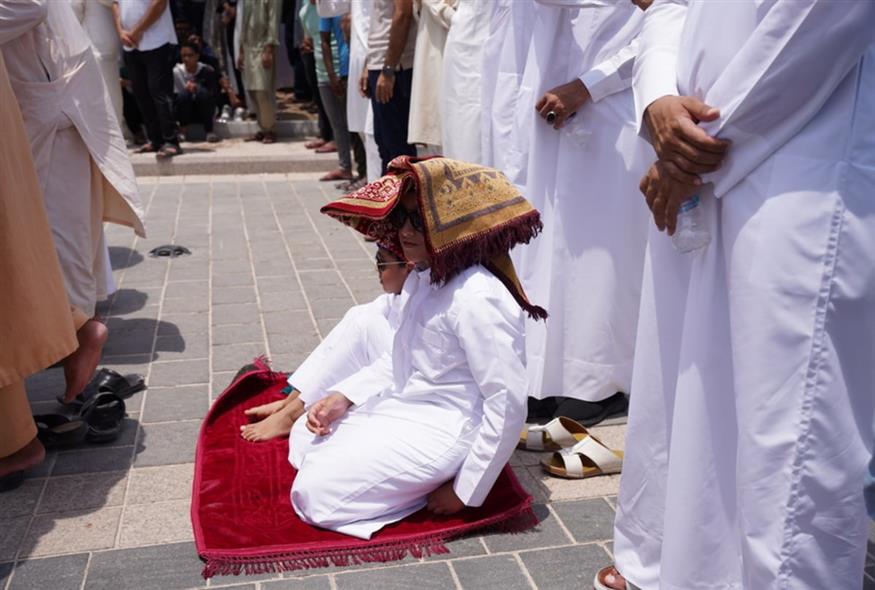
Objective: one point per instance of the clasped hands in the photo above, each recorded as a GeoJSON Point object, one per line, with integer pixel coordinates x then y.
{"type": "Point", "coordinates": [684, 151]}
{"type": "Point", "coordinates": [332, 407]}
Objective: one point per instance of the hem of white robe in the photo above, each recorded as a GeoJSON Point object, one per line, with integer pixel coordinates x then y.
{"type": "Point", "coordinates": [365, 529]}
{"type": "Point", "coordinates": [611, 379]}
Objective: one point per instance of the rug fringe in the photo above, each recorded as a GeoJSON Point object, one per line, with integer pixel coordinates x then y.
{"type": "Point", "coordinates": [228, 565]}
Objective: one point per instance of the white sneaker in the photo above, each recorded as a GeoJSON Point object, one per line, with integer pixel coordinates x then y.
{"type": "Point", "coordinates": [225, 116]}
{"type": "Point", "coordinates": [213, 138]}
{"type": "Point", "coordinates": [239, 113]}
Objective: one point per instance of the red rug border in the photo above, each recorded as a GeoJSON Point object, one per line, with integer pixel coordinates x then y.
{"type": "Point", "coordinates": [306, 556]}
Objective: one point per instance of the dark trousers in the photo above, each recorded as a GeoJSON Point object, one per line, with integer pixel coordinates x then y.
{"type": "Point", "coordinates": [358, 150]}
{"type": "Point", "coordinates": [324, 125]}
{"type": "Point", "coordinates": [196, 108]}
{"type": "Point", "coordinates": [301, 84]}
{"type": "Point", "coordinates": [390, 119]}
{"type": "Point", "coordinates": [131, 113]}
{"type": "Point", "coordinates": [151, 76]}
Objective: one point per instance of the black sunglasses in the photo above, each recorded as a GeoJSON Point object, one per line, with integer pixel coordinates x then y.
{"type": "Point", "coordinates": [383, 264]}
{"type": "Point", "coordinates": [400, 215]}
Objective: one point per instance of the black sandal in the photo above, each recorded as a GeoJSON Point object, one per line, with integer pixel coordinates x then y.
{"type": "Point", "coordinates": [103, 415]}
{"type": "Point", "coordinates": [147, 148]}
{"type": "Point", "coordinates": [591, 413]}
{"type": "Point", "coordinates": [108, 381]}
{"type": "Point", "coordinates": [169, 151]}
{"type": "Point", "coordinates": [58, 430]}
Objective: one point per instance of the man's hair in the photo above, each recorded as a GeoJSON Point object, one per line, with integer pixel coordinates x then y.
{"type": "Point", "coordinates": [191, 45]}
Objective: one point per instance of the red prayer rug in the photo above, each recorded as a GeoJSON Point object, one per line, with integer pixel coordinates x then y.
{"type": "Point", "coordinates": [243, 519]}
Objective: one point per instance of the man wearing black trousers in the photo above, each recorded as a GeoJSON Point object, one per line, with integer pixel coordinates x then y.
{"type": "Point", "coordinates": [391, 42]}
{"type": "Point", "coordinates": [145, 28]}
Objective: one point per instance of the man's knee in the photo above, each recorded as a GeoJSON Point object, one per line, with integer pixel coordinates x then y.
{"type": "Point", "coordinates": [314, 497]}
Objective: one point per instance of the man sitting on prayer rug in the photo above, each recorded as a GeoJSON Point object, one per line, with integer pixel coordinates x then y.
{"type": "Point", "coordinates": [362, 336]}
{"type": "Point", "coordinates": [433, 422]}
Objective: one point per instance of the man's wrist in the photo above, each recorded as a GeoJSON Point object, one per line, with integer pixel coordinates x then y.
{"type": "Point", "coordinates": [388, 70]}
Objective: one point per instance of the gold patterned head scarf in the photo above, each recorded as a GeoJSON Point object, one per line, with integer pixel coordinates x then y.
{"type": "Point", "coordinates": [471, 215]}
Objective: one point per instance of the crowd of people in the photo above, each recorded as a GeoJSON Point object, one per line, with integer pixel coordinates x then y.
{"type": "Point", "coordinates": [731, 309]}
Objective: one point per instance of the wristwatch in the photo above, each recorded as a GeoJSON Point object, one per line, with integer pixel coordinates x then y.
{"type": "Point", "coordinates": [389, 71]}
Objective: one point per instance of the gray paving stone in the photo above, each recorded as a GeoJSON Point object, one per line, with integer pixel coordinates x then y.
{"type": "Point", "coordinates": [23, 500]}
{"type": "Point", "coordinates": [163, 567]}
{"type": "Point", "coordinates": [326, 325]}
{"type": "Point", "coordinates": [223, 295]}
{"type": "Point", "coordinates": [179, 373]}
{"type": "Point", "coordinates": [5, 572]}
{"type": "Point", "coordinates": [286, 300]}
{"type": "Point", "coordinates": [552, 569]}
{"type": "Point", "coordinates": [93, 460]}
{"type": "Point", "coordinates": [237, 334]}
{"type": "Point", "coordinates": [313, 263]}
{"type": "Point", "coordinates": [186, 324]}
{"type": "Point", "coordinates": [498, 572]}
{"type": "Point", "coordinates": [278, 284]}
{"type": "Point", "coordinates": [44, 468]}
{"type": "Point", "coordinates": [466, 547]}
{"type": "Point", "coordinates": [547, 533]}
{"type": "Point", "coordinates": [188, 290]}
{"type": "Point", "coordinates": [298, 342]}
{"type": "Point", "coordinates": [174, 348]}
{"type": "Point", "coordinates": [424, 576]}
{"type": "Point", "coordinates": [83, 492]}
{"type": "Point", "coordinates": [587, 520]}
{"type": "Point", "coordinates": [231, 357]}
{"type": "Point", "coordinates": [331, 308]}
{"type": "Point", "coordinates": [176, 403]}
{"type": "Point", "coordinates": [129, 342]}
{"type": "Point", "coordinates": [58, 573]}
{"type": "Point", "coordinates": [225, 580]}
{"type": "Point", "coordinates": [288, 322]}
{"type": "Point", "coordinates": [236, 313]}
{"type": "Point", "coordinates": [167, 444]}
{"type": "Point", "coordinates": [314, 583]}
{"type": "Point", "coordinates": [232, 279]}
{"type": "Point", "coordinates": [13, 533]}
{"type": "Point", "coordinates": [127, 301]}
{"type": "Point", "coordinates": [192, 304]}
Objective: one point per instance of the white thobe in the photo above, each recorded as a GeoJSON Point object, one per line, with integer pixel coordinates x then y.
{"type": "Point", "coordinates": [433, 18]}
{"type": "Point", "coordinates": [460, 90]}
{"type": "Point", "coordinates": [79, 152]}
{"type": "Point", "coordinates": [97, 20]}
{"type": "Point", "coordinates": [750, 427]}
{"type": "Point", "coordinates": [359, 115]}
{"type": "Point", "coordinates": [363, 336]}
{"type": "Point", "coordinates": [505, 52]}
{"type": "Point", "coordinates": [586, 266]}
{"type": "Point", "coordinates": [447, 404]}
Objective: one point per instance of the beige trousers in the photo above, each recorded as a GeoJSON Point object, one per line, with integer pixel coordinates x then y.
{"type": "Point", "coordinates": [265, 108]}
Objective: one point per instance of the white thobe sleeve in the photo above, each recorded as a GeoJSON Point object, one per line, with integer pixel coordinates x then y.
{"type": "Point", "coordinates": [613, 74]}
{"type": "Point", "coordinates": [655, 71]}
{"type": "Point", "coordinates": [784, 73]}
{"type": "Point", "coordinates": [367, 382]}
{"type": "Point", "coordinates": [20, 16]}
{"type": "Point", "coordinates": [491, 336]}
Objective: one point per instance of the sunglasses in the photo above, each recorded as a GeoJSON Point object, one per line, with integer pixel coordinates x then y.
{"type": "Point", "coordinates": [383, 265]}
{"type": "Point", "coordinates": [400, 215]}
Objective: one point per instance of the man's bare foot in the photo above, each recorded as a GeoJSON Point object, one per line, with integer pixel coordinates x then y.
{"type": "Point", "coordinates": [79, 367]}
{"type": "Point", "coordinates": [265, 410]}
{"type": "Point", "coordinates": [608, 578]}
{"type": "Point", "coordinates": [31, 455]}
{"type": "Point", "coordinates": [274, 426]}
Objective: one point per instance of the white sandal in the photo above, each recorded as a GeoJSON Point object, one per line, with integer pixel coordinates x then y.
{"type": "Point", "coordinates": [588, 458]}
{"type": "Point", "coordinates": [556, 434]}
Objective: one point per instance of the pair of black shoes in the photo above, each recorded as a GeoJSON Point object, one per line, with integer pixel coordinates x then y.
{"type": "Point", "coordinates": [584, 413]}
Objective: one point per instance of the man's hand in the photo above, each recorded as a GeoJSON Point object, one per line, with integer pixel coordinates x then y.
{"type": "Point", "coordinates": [363, 84]}
{"type": "Point", "coordinates": [136, 36]}
{"type": "Point", "coordinates": [684, 147]}
{"type": "Point", "coordinates": [191, 86]}
{"type": "Point", "coordinates": [564, 101]}
{"type": "Point", "coordinates": [444, 500]}
{"type": "Point", "coordinates": [307, 45]}
{"type": "Point", "coordinates": [338, 87]}
{"type": "Point", "coordinates": [385, 88]}
{"type": "Point", "coordinates": [325, 412]}
{"type": "Point", "coordinates": [267, 57]}
{"type": "Point", "coordinates": [127, 39]}
{"type": "Point", "coordinates": [642, 4]}
{"type": "Point", "coordinates": [665, 194]}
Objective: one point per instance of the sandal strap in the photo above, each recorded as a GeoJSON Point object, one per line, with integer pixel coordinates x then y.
{"type": "Point", "coordinates": [593, 449]}
{"type": "Point", "coordinates": [536, 437]}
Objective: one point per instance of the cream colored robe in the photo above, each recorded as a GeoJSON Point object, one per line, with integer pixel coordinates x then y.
{"type": "Point", "coordinates": [78, 149]}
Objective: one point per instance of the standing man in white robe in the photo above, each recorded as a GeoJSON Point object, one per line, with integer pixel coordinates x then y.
{"type": "Point", "coordinates": [359, 116]}
{"type": "Point", "coordinates": [751, 423]}
{"type": "Point", "coordinates": [583, 176]}
{"type": "Point", "coordinates": [505, 53]}
{"type": "Point", "coordinates": [79, 154]}
{"type": "Point", "coordinates": [460, 92]}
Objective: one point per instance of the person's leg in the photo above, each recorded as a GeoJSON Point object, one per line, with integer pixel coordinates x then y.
{"type": "Point", "coordinates": [265, 110]}
{"type": "Point", "coordinates": [159, 67]}
{"type": "Point", "coordinates": [361, 159]}
{"type": "Point", "coordinates": [19, 447]}
{"type": "Point", "coordinates": [324, 126]}
{"type": "Point", "coordinates": [336, 111]}
{"type": "Point", "coordinates": [372, 155]}
{"type": "Point", "coordinates": [183, 108]}
{"type": "Point", "coordinates": [205, 109]}
{"type": "Point", "coordinates": [391, 118]}
{"type": "Point", "coordinates": [139, 77]}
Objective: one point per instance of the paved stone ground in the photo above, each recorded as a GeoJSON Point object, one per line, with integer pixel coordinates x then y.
{"type": "Point", "coordinates": [268, 274]}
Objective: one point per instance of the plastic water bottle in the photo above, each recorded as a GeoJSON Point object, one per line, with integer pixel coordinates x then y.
{"type": "Point", "coordinates": [690, 234]}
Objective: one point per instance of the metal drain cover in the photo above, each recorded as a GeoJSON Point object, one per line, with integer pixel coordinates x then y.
{"type": "Point", "coordinates": [171, 250]}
